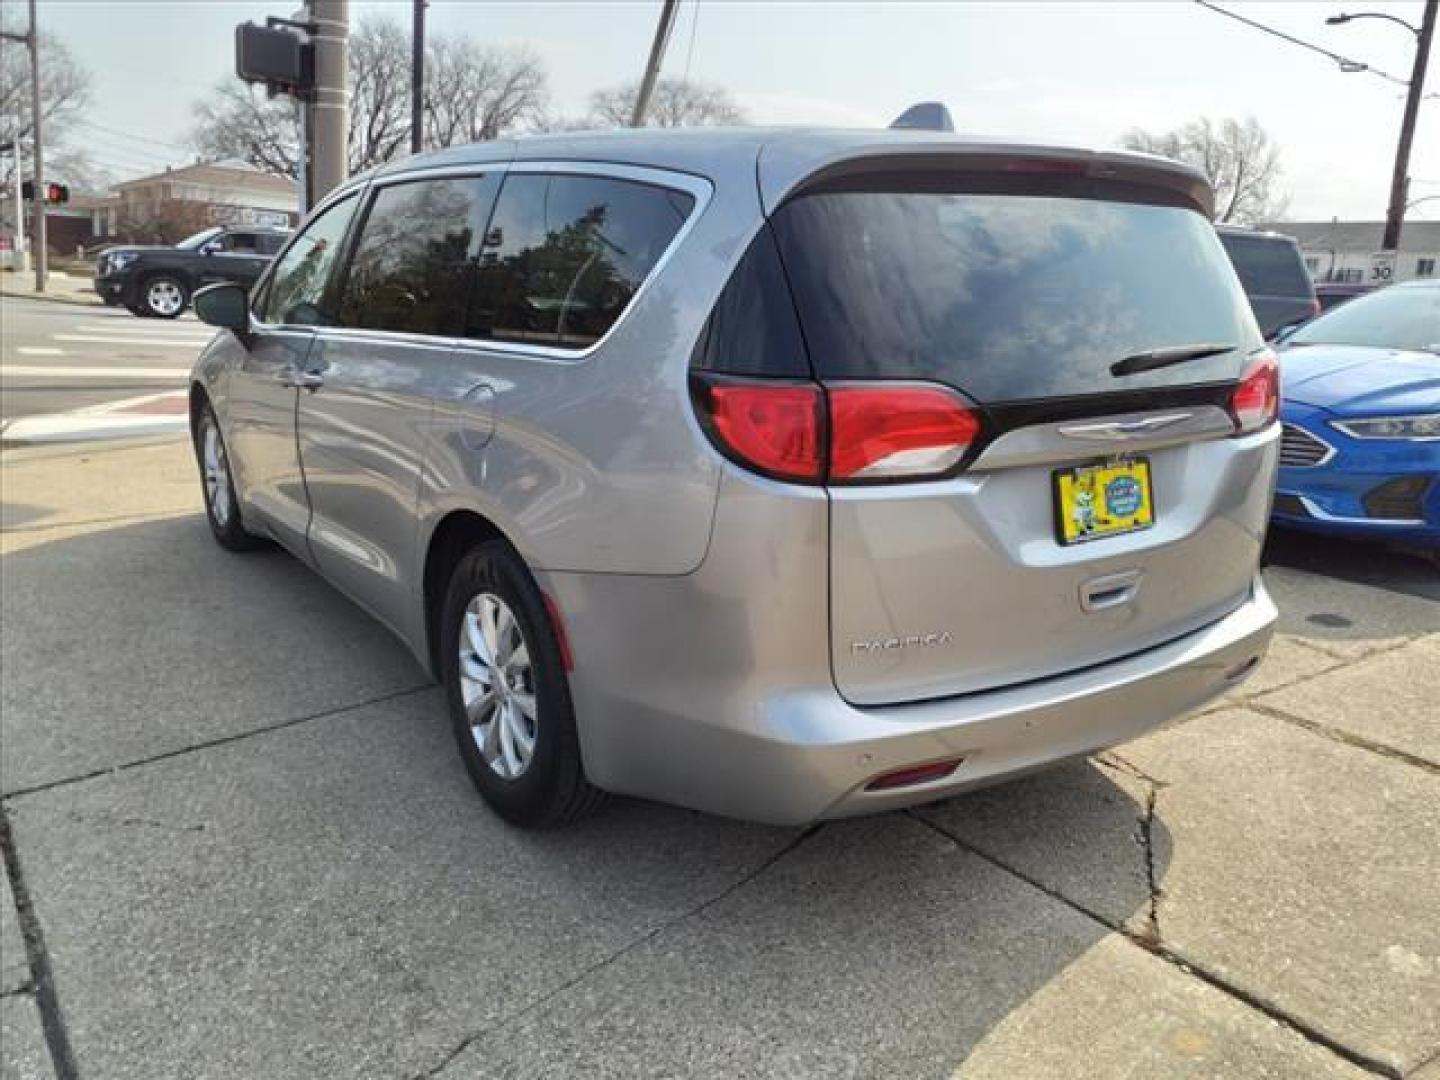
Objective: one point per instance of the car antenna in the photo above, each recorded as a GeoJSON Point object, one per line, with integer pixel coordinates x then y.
{"type": "Point", "coordinates": [925, 116]}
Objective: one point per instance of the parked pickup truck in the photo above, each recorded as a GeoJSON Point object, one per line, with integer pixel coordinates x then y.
{"type": "Point", "coordinates": [158, 282]}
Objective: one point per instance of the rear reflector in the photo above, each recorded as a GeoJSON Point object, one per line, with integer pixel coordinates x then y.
{"type": "Point", "coordinates": [774, 428]}
{"type": "Point", "coordinates": [880, 432]}
{"type": "Point", "coordinates": [1256, 401]}
{"type": "Point", "coordinates": [914, 774]}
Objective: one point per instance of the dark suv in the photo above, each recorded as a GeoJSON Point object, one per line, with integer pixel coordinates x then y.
{"type": "Point", "coordinates": [1273, 274]}
{"type": "Point", "coordinates": [158, 281]}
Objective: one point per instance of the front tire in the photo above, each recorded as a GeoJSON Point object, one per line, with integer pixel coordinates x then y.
{"type": "Point", "coordinates": [508, 695]}
{"type": "Point", "coordinates": [222, 508]}
{"type": "Point", "coordinates": [164, 297]}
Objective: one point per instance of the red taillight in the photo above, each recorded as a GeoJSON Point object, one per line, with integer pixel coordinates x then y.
{"type": "Point", "coordinates": [880, 432]}
{"type": "Point", "coordinates": [1256, 401]}
{"type": "Point", "coordinates": [775, 428]}
{"type": "Point", "coordinates": [846, 433]}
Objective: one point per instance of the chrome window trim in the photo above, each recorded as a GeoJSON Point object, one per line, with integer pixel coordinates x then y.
{"type": "Point", "coordinates": [698, 187]}
{"type": "Point", "coordinates": [1324, 458]}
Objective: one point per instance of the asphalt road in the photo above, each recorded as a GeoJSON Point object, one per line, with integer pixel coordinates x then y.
{"type": "Point", "coordinates": [56, 357]}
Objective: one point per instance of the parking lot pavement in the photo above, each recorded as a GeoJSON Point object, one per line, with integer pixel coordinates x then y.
{"type": "Point", "coordinates": [250, 850]}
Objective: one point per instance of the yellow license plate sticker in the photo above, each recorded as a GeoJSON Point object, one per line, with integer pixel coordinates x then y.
{"type": "Point", "coordinates": [1103, 500]}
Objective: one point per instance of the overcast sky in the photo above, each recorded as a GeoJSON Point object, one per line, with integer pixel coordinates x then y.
{"type": "Point", "coordinates": [1076, 72]}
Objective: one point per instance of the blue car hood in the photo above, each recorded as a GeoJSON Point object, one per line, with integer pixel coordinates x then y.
{"type": "Point", "coordinates": [1350, 380]}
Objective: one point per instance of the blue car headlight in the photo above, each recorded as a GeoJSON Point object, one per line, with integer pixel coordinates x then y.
{"type": "Point", "coordinates": [1425, 426]}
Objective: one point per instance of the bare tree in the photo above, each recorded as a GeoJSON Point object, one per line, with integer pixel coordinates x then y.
{"type": "Point", "coordinates": [239, 121]}
{"type": "Point", "coordinates": [472, 93]}
{"type": "Point", "coordinates": [475, 93]}
{"type": "Point", "coordinates": [379, 93]}
{"type": "Point", "coordinates": [1240, 159]}
{"type": "Point", "coordinates": [676, 103]}
{"type": "Point", "coordinates": [64, 93]}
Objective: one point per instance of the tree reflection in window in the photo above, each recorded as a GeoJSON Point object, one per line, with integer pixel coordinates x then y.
{"type": "Point", "coordinates": [565, 254]}
{"type": "Point", "coordinates": [411, 267]}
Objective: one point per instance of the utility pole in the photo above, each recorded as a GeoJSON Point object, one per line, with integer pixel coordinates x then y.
{"type": "Point", "coordinates": [19, 210]}
{"type": "Point", "coordinates": [330, 113]}
{"type": "Point", "coordinates": [31, 39]}
{"type": "Point", "coordinates": [1400, 179]}
{"type": "Point", "coordinates": [652, 66]}
{"type": "Point", "coordinates": [417, 78]}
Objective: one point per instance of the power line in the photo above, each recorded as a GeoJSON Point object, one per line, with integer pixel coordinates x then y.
{"type": "Point", "coordinates": [128, 135]}
{"type": "Point", "coordinates": [1346, 64]}
{"type": "Point", "coordinates": [690, 51]}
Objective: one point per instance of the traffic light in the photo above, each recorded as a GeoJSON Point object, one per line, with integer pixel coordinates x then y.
{"type": "Point", "coordinates": [55, 194]}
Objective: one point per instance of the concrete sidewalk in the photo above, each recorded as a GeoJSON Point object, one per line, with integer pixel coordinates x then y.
{"type": "Point", "coordinates": [243, 846]}
{"type": "Point", "coordinates": [59, 287]}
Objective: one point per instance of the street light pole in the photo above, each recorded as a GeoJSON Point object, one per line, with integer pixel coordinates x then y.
{"type": "Point", "coordinates": [1399, 178]}
{"type": "Point", "coordinates": [1399, 181]}
{"type": "Point", "coordinates": [330, 113]}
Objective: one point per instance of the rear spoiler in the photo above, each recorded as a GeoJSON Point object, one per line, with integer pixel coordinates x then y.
{"type": "Point", "coordinates": [938, 164]}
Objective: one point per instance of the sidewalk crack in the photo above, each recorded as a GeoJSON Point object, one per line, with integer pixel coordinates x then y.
{"type": "Point", "coordinates": [600, 965]}
{"type": "Point", "coordinates": [42, 979]}
{"type": "Point", "coordinates": [1345, 738]}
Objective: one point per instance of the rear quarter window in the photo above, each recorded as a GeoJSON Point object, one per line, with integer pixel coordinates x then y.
{"type": "Point", "coordinates": [564, 255]}
{"type": "Point", "coordinates": [1009, 297]}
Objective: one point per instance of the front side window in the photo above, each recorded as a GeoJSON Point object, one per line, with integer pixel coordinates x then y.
{"type": "Point", "coordinates": [564, 255]}
{"type": "Point", "coordinates": [412, 267]}
{"type": "Point", "coordinates": [196, 241]}
{"type": "Point", "coordinates": [297, 287]}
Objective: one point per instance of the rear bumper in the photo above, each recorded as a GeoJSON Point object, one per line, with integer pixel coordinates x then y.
{"type": "Point", "coordinates": [798, 756]}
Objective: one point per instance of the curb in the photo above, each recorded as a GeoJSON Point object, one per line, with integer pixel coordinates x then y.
{"type": "Point", "coordinates": [53, 298]}
{"type": "Point", "coordinates": [148, 416]}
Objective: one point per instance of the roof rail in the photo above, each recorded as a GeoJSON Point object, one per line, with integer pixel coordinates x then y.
{"type": "Point", "coordinates": [925, 116]}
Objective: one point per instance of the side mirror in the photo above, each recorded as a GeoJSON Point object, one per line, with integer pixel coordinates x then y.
{"type": "Point", "coordinates": [211, 248]}
{"type": "Point", "coordinates": [225, 305]}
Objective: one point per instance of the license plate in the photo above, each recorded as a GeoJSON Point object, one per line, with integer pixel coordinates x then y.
{"type": "Point", "coordinates": [1110, 499]}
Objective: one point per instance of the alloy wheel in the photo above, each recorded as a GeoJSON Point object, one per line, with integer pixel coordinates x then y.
{"type": "Point", "coordinates": [497, 685]}
{"type": "Point", "coordinates": [217, 474]}
{"type": "Point", "coordinates": [164, 297]}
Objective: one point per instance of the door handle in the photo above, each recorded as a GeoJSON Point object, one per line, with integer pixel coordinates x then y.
{"type": "Point", "coordinates": [1110, 591]}
{"type": "Point", "coordinates": [304, 380]}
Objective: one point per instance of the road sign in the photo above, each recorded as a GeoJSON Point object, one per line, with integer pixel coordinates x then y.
{"type": "Point", "coordinates": [1382, 268]}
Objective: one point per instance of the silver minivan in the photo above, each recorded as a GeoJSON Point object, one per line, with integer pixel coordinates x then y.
{"type": "Point", "coordinates": [784, 475]}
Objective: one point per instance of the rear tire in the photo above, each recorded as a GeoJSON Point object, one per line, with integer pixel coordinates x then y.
{"type": "Point", "coordinates": [508, 694]}
{"type": "Point", "coordinates": [217, 485]}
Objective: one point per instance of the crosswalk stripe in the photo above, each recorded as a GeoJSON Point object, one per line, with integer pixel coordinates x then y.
{"type": "Point", "coordinates": [159, 329]}
{"type": "Point", "coordinates": [38, 350]}
{"type": "Point", "coordinates": [97, 339]}
{"type": "Point", "coordinates": [56, 371]}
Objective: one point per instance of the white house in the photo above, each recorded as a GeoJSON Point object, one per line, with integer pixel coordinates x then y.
{"type": "Point", "coordinates": [1341, 250]}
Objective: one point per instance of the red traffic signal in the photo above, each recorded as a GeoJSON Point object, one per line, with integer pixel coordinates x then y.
{"type": "Point", "coordinates": [55, 194]}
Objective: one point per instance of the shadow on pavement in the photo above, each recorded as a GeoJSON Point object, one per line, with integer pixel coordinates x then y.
{"type": "Point", "coordinates": [1362, 562]}
{"type": "Point", "coordinates": [332, 898]}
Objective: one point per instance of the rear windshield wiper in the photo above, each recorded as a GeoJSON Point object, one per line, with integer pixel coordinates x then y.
{"type": "Point", "coordinates": [1170, 354]}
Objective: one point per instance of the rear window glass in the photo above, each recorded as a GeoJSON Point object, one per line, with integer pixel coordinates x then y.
{"type": "Point", "coordinates": [1394, 318]}
{"type": "Point", "coordinates": [1267, 266]}
{"type": "Point", "coordinates": [564, 255]}
{"type": "Point", "coordinates": [1009, 297]}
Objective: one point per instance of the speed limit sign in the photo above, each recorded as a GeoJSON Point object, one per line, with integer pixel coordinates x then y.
{"type": "Point", "coordinates": [1382, 268]}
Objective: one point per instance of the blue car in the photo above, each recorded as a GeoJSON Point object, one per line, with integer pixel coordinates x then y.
{"type": "Point", "coordinates": [1360, 453]}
